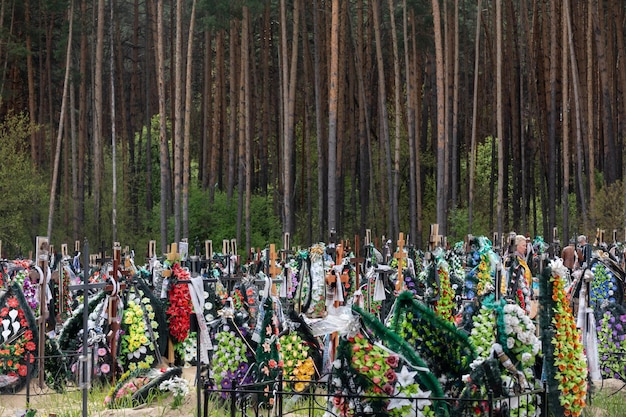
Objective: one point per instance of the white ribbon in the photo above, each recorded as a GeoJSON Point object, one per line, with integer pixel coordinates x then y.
{"type": "Point", "coordinates": [44, 280]}
{"type": "Point", "coordinates": [379, 289]}
{"type": "Point", "coordinates": [196, 289]}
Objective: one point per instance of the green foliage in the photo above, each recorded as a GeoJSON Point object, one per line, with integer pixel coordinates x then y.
{"type": "Point", "coordinates": [24, 190]}
{"type": "Point", "coordinates": [608, 207]}
{"type": "Point", "coordinates": [219, 220]}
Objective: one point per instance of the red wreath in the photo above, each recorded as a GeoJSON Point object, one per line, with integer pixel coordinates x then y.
{"type": "Point", "coordinates": [180, 305]}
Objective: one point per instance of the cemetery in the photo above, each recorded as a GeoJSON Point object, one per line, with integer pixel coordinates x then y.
{"type": "Point", "coordinates": [355, 327]}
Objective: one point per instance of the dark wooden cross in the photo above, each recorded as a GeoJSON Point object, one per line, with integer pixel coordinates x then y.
{"type": "Point", "coordinates": [357, 261]}
{"type": "Point", "coordinates": [115, 287]}
{"type": "Point", "coordinates": [85, 370]}
{"type": "Point", "coordinates": [400, 255]}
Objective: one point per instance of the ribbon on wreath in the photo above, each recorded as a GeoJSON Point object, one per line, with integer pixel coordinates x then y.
{"type": "Point", "coordinates": [196, 289]}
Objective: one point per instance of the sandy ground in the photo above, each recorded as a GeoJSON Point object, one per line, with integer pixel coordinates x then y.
{"type": "Point", "coordinates": [11, 405]}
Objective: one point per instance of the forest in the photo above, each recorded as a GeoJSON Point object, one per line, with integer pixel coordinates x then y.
{"type": "Point", "coordinates": [138, 120]}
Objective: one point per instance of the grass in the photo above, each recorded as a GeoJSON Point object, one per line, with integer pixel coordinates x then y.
{"type": "Point", "coordinates": [607, 404]}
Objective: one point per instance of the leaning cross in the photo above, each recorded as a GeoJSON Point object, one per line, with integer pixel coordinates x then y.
{"type": "Point", "coordinates": [399, 255]}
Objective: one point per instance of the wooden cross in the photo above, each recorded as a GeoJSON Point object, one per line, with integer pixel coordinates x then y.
{"type": "Point", "coordinates": [357, 261]}
{"type": "Point", "coordinates": [435, 238]}
{"type": "Point", "coordinates": [273, 269]}
{"type": "Point", "coordinates": [115, 287]}
{"type": "Point", "coordinates": [85, 370]}
{"type": "Point", "coordinates": [399, 255]}
{"type": "Point", "coordinates": [42, 262]}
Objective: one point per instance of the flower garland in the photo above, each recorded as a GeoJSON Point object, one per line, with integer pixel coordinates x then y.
{"type": "Point", "coordinates": [18, 341]}
{"type": "Point", "coordinates": [447, 351]}
{"type": "Point", "coordinates": [298, 366]}
{"type": "Point", "coordinates": [180, 305]}
{"type": "Point", "coordinates": [444, 305]}
{"type": "Point", "coordinates": [483, 333]}
{"type": "Point", "coordinates": [317, 286]}
{"type": "Point", "coordinates": [29, 290]}
{"type": "Point", "coordinates": [64, 309]}
{"type": "Point", "coordinates": [611, 328]}
{"type": "Point", "coordinates": [137, 345]}
{"type": "Point", "coordinates": [603, 286]}
{"type": "Point", "coordinates": [521, 338]}
{"type": "Point", "coordinates": [371, 379]}
{"type": "Point", "coordinates": [569, 357]}
{"type": "Point", "coordinates": [268, 362]}
{"type": "Point", "coordinates": [231, 360]}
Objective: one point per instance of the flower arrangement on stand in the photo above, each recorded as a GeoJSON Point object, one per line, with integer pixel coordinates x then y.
{"type": "Point", "coordinates": [18, 339]}
{"type": "Point", "coordinates": [180, 306]}
{"type": "Point", "coordinates": [611, 331]}
{"type": "Point", "coordinates": [64, 300]}
{"type": "Point", "coordinates": [368, 378]}
{"type": "Point", "coordinates": [446, 350]}
{"type": "Point", "coordinates": [298, 365]}
{"type": "Point", "coordinates": [314, 285]}
{"type": "Point", "coordinates": [29, 289]}
{"type": "Point", "coordinates": [267, 361]}
{"type": "Point", "coordinates": [603, 285]}
{"type": "Point", "coordinates": [231, 359]}
{"type": "Point", "coordinates": [138, 342]}
{"type": "Point", "coordinates": [570, 362]}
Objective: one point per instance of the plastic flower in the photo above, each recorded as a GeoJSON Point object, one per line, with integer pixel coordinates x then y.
{"type": "Point", "coordinates": [569, 357]}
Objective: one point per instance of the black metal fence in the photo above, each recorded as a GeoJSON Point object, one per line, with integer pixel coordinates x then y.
{"type": "Point", "coordinates": [276, 399]}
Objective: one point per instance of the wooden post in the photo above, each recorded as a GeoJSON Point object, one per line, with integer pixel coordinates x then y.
{"type": "Point", "coordinates": [399, 255]}
{"type": "Point", "coordinates": [208, 249]}
{"type": "Point", "coordinates": [172, 255]}
{"type": "Point", "coordinates": [42, 262]}
{"type": "Point", "coordinates": [356, 260]}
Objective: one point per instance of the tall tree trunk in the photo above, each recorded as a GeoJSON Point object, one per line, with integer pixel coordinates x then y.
{"type": "Point", "coordinates": [441, 139]}
{"type": "Point", "coordinates": [591, 130]}
{"type": "Point", "coordinates": [186, 171]}
{"type": "Point", "coordinates": [289, 103]}
{"type": "Point", "coordinates": [418, 98]}
{"type": "Point", "coordinates": [454, 166]}
{"type": "Point", "coordinates": [332, 116]}
{"type": "Point", "coordinates": [472, 156]}
{"type": "Point", "coordinates": [609, 153]}
{"type": "Point", "coordinates": [383, 115]}
{"type": "Point", "coordinates": [163, 142]}
{"type": "Point", "coordinates": [98, 120]}
{"type": "Point", "coordinates": [566, 120]}
{"type": "Point", "coordinates": [410, 117]}
{"type": "Point", "coordinates": [207, 110]}
{"type": "Point", "coordinates": [395, 216]}
{"type": "Point", "coordinates": [322, 169]}
{"type": "Point", "coordinates": [245, 99]}
{"type": "Point", "coordinates": [499, 120]}
{"type": "Point", "coordinates": [83, 111]}
{"type": "Point", "coordinates": [57, 154]}
{"type": "Point", "coordinates": [113, 124]}
{"type": "Point", "coordinates": [218, 113]}
{"type": "Point", "coordinates": [232, 125]}
{"type": "Point", "coordinates": [30, 71]}
{"type": "Point", "coordinates": [179, 120]}
{"type": "Point", "coordinates": [579, 118]}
